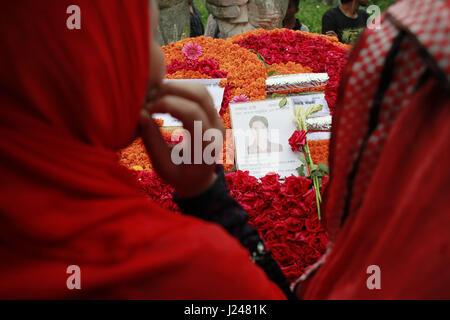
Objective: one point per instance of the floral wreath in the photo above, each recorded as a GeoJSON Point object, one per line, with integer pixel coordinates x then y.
{"type": "Point", "coordinates": [284, 213]}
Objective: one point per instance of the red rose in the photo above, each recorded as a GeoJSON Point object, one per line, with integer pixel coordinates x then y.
{"type": "Point", "coordinates": [297, 140]}
{"type": "Point", "coordinates": [291, 272]}
{"type": "Point", "coordinates": [284, 214]}
{"type": "Point", "coordinates": [294, 224]}
{"type": "Point", "coordinates": [313, 225]}
{"type": "Point", "coordinates": [310, 255]}
{"type": "Point", "coordinates": [282, 253]}
{"type": "Point", "coordinates": [295, 186]}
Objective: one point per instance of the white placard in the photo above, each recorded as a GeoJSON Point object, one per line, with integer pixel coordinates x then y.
{"type": "Point", "coordinates": [320, 135]}
{"type": "Point", "coordinates": [309, 99]}
{"type": "Point", "coordinates": [212, 85]}
{"type": "Point", "coordinates": [261, 133]}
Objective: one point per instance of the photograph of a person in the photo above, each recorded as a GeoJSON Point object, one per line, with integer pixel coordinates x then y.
{"type": "Point", "coordinates": [261, 143]}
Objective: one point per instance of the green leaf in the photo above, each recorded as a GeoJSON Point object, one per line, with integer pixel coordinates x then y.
{"type": "Point", "coordinates": [260, 57]}
{"type": "Point", "coordinates": [275, 95]}
{"type": "Point", "coordinates": [317, 173]}
{"type": "Point", "coordinates": [273, 72]}
{"type": "Point", "coordinates": [302, 158]}
{"type": "Point", "coordinates": [283, 102]}
{"type": "Point", "coordinates": [324, 167]}
{"type": "Point", "coordinates": [301, 171]}
{"type": "Point", "coordinates": [314, 167]}
{"type": "Point", "coordinates": [313, 109]}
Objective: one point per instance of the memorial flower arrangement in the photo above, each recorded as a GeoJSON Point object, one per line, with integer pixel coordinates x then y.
{"type": "Point", "coordinates": [284, 213]}
{"type": "Point", "coordinates": [246, 73]}
{"type": "Point", "coordinates": [319, 53]}
{"type": "Point", "coordinates": [219, 59]}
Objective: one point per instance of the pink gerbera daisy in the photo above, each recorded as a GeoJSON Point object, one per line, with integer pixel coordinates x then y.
{"type": "Point", "coordinates": [192, 51]}
{"type": "Point", "coordinates": [241, 98]}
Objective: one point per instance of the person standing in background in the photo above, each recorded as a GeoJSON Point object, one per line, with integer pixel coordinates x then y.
{"type": "Point", "coordinates": [197, 28]}
{"type": "Point", "coordinates": [347, 21]}
{"type": "Point", "coordinates": [290, 21]}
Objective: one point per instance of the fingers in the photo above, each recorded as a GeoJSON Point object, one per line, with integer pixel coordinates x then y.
{"type": "Point", "coordinates": [156, 147]}
{"type": "Point", "coordinates": [194, 92]}
{"type": "Point", "coordinates": [184, 110]}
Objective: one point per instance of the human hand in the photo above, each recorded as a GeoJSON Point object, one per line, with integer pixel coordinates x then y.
{"type": "Point", "coordinates": [225, 9]}
{"type": "Point", "coordinates": [188, 104]}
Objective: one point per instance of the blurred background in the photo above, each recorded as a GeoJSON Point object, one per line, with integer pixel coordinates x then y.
{"type": "Point", "coordinates": [311, 11]}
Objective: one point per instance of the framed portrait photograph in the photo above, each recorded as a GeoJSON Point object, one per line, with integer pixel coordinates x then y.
{"type": "Point", "coordinates": [261, 131]}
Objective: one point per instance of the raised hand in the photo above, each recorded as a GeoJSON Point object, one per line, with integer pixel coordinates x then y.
{"type": "Point", "coordinates": [189, 104]}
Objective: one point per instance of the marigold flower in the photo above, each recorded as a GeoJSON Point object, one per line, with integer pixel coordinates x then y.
{"type": "Point", "coordinates": [319, 150]}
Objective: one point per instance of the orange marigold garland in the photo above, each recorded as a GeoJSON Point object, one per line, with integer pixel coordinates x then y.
{"type": "Point", "coordinates": [288, 68]}
{"type": "Point", "coordinates": [245, 73]}
{"type": "Point", "coordinates": [196, 58]}
{"type": "Point", "coordinates": [319, 150]}
{"type": "Point", "coordinates": [135, 157]}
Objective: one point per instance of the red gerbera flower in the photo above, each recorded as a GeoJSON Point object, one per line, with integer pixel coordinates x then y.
{"type": "Point", "coordinates": [192, 51]}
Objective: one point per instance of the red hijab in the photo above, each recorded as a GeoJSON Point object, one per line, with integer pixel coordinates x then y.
{"type": "Point", "coordinates": [69, 100]}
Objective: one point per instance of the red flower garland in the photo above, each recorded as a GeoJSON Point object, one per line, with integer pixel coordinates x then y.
{"type": "Point", "coordinates": [317, 53]}
{"type": "Point", "coordinates": [207, 66]}
{"type": "Point", "coordinates": [283, 213]}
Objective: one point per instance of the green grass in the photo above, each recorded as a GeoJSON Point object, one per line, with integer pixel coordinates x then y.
{"type": "Point", "coordinates": [200, 4]}
{"type": "Point", "coordinates": [310, 12]}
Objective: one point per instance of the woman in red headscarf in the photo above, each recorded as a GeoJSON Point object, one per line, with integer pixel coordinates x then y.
{"type": "Point", "coordinates": [70, 99]}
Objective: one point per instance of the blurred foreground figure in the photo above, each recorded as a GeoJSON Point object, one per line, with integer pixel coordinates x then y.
{"type": "Point", "coordinates": [70, 99]}
{"type": "Point", "coordinates": [231, 17]}
{"type": "Point", "coordinates": [387, 207]}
